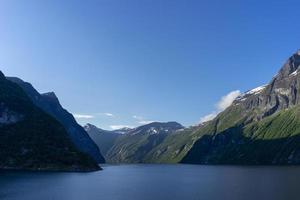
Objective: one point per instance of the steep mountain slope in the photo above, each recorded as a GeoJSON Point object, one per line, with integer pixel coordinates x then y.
{"type": "Point", "coordinates": [273, 140]}
{"type": "Point", "coordinates": [135, 145]}
{"type": "Point", "coordinates": [49, 103]}
{"type": "Point", "coordinates": [33, 140]}
{"type": "Point", "coordinates": [174, 147]}
{"type": "Point", "coordinates": [103, 138]}
{"type": "Point", "coordinates": [260, 127]}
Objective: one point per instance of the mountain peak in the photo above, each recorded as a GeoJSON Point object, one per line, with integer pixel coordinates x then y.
{"type": "Point", "coordinates": [156, 128]}
{"type": "Point", "coordinates": [89, 127]}
{"type": "Point", "coordinates": [290, 67]}
{"type": "Point", "coordinates": [281, 93]}
{"type": "Point", "coordinates": [50, 95]}
{"type": "Point", "coordinates": [167, 124]}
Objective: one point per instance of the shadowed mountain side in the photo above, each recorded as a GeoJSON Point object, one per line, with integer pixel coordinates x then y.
{"type": "Point", "coordinates": [103, 138]}
{"type": "Point", "coordinates": [249, 152]}
{"type": "Point", "coordinates": [49, 103]}
{"type": "Point", "coordinates": [31, 139]}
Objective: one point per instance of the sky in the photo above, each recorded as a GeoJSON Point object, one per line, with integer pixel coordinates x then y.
{"type": "Point", "coordinates": [116, 63]}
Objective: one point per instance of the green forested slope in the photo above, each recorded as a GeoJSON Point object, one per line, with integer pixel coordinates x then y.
{"type": "Point", "coordinates": [273, 140]}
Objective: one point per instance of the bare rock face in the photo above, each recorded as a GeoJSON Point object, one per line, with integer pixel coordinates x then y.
{"type": "Point", "coordinates": [8, 117]}
{"type": "Point", "coordinates": [281, 93]}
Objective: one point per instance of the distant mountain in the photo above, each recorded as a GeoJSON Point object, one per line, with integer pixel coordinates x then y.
{"type": "Point", "coordinates": [133, 145]}
{"type": "Point", "coordinates": [156, 128]}
{"type": "Point", "coordinates": [103, 138]}
{"type": "Point", "coordinates": [31, 139]}
{"type": "Point", "coordinates": [49, 103]}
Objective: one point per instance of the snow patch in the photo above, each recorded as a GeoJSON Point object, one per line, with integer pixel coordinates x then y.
{"type": "Point", "coordinates": [294, 73]}
{"type": "Point", "coordinates": [257, 90]}
{"type": "Point", "coordinates": [242, 99]}
{"type": "Point", "coordinates": [153, 130]}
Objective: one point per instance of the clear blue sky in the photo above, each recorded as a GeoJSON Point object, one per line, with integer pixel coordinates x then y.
{"type": "Point", "coordinates": [164, 60]}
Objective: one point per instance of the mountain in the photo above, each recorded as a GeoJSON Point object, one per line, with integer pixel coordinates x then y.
{"type": "Point", "coordinates": [49, 103]}
{"type": "Point", "coordinates": [30, 139]}
{"type": "Point", "coordinates": [103, 138]}
{"type": "Point", "coordinates": [156, 128]}
{"type": "Point", "coordinates": [133, 145]}
{"type": "Point", "coordinates": [262, 126]}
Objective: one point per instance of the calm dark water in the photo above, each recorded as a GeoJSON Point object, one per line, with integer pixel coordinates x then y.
{"type": "Point", "coordinates": [156, 182]}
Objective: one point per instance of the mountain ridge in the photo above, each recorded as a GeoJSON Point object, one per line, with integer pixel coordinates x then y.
{"type": "Point", "coordinates": [31, 139]}
{"type": "Point", "coordinates": [131, 146]}
{"type": "Point", "coordinates": [49, 102]}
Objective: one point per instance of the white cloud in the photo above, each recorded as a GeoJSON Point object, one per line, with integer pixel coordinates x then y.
{"type": "Point", "coordinates": [81, 116]}
{"type": "Point", "coordinates": [224, 103]}
{"type": "Point", "coordinates": [145, 122]}
{"type": "Point", "coordinates": [227, 100]}
{"type": "Point", "coordinates": [115, 127]}
{"type": "Point", "coordinates": [141, 120]}
{"type": "Point", "coordinates": [107, 114]}
{"type": "Point", "coordinates": [208, 117]}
